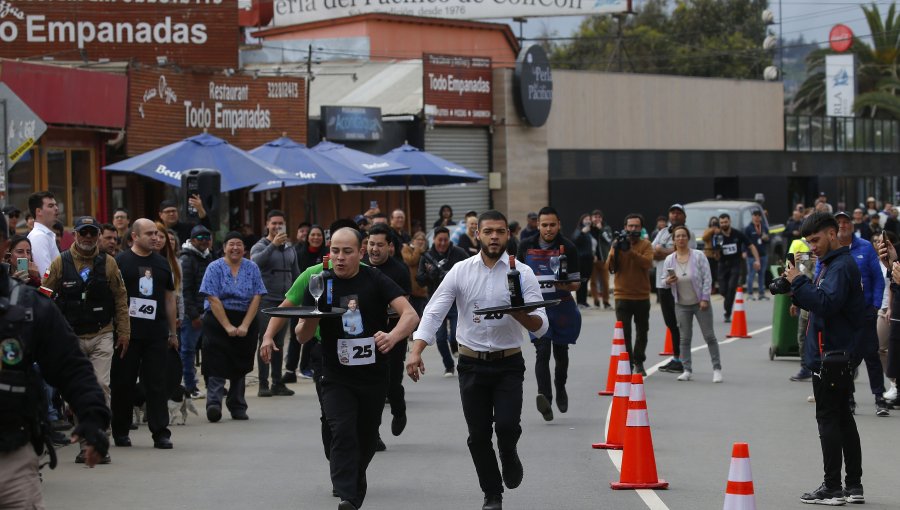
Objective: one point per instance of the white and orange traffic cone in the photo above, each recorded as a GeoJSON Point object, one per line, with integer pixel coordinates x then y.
{"type": "Point", "coordinates": [615, 434]}
{"type": "Point", "coordinates": [618, 347]}
{"type": "Point", "coordinates": [638, 460]}
{"type": "Point", "coordinates": [739, 491]}
{"type": "Point", "coordinates": [667, 348]}
{"type": "Point", "coordinates": [739, 317]}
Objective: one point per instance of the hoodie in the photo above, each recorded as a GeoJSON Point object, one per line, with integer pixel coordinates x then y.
{"type": "Point", "coordinates": [278, 266]}
{"type": "Point", "coordinates": [193, 267]}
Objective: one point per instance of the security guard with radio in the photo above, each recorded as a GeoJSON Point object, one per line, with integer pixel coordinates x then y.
{"type": "Point", "coordinates": [34, 333]}
{"type": "Point", "coordinates": [89, 290]}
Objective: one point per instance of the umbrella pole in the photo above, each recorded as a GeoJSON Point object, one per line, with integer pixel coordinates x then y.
{"type": "Point", "coordinates": [334, 202]}
{"type": "Point", "coordinates": [408, 210]}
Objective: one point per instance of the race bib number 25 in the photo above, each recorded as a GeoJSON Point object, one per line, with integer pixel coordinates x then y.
{"type": "Point", "coordinates": [354, 352]}
{"type": "Point", "coordinates": [142, 308]}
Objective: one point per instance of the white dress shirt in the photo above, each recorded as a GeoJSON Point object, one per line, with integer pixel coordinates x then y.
{"type": "Point", "coordinates": [43, 247]}
{"type": "Point", "coordinates": [472, 285]}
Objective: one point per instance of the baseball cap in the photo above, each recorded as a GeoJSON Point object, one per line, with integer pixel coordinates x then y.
{"type": "Point", "coordinates": [11, 210]}
{"type": "Point", "coordinates": [361, 219]}
{"type": "Point", "coordinates": [844, 214]}
{"type": "Point", "coordinates": [199, 230]}
{"type": "Point", "coordinates": [677, 206]}
{"type": "Point", "coordinates": [532, 216]}
{"type": "Point", "coordinates": [84, 222]}
{"type": "Point", "coordinates": [165, 204]}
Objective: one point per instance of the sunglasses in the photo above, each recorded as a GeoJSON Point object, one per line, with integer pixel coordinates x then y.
{"type": "Point", "coordinates": [88, 232]}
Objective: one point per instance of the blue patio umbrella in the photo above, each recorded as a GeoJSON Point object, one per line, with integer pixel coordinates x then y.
{"type": "Point", "coordinates": [424, 169]}
{"type": "Point", "coordinates": [304, 166]}
{"type": "Point", "coordinates": [357, 160]}
{"type": "Point", "coordinates": [238, 168]}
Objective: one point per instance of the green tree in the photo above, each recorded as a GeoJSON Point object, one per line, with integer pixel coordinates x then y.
{"type": "Point", "coordinates": [877, 80]}
{"type": "Point", "coordinates": [715, 38]}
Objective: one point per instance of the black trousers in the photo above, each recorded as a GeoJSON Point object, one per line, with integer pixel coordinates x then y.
{"type": "Point", "coordinates": [315, 361]}
{"type": "Point", "coordinates": [639, 311]}
{"type": "Point", "coordinates": [491, 393]}
{"type": "Point", "coordinates": [396, 369]}
{"type": "Point", "coordinates": [837, 432]}
{"type": "Point", "coordinates": [667, 305]}
{"type": "Point", "coordinates": [729, 274]}
{"type": "Point", "coordinates": [353, 411]}
{"type": "Point", "coordinates": [869, 345]}
{"type": "Point", "coordinates": [146, 357]}
{"type": "Point", "coordinates": [543, 347]}
{"type": "Point", "coordinates": [292, 357]}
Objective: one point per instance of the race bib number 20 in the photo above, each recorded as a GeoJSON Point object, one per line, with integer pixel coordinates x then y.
{"type": "Point", "coordinates": [142, 308]}
{"type": "Point", "coordinates": [353, 352]}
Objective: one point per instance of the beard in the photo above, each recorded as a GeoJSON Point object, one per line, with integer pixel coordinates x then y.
{"type": "Point", "coordinates": [494, 255]}
{"type": "Point", "coordinates": [86, 247]}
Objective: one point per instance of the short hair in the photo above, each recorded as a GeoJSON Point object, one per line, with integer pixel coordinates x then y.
{"type": "Point", "coordinates": [124, 210]}
{"type": "Point", "coordinates": [817, 222]}
{"type": "Point", "coordinates": [4, 228]}
{"type": "Point", "coordinates": [342, 223]}
{"type": "Point", "coordinates": [395, 211]}
{"type": "Point", "coordinates": [379, 215]}
{"type": "Point", "coordinates": [441, 230]}
{"type": "Point", "coordinates": [491, 215]}
{"type": "Point", "coordinates": [658, 219]}
{"type": "Point", "coordinates": [304, 224]}
{"type": "Point", "coordinates": [381, 229]}
{"type": "Point", "coordinates": [36, 200]}
{"type": "Point", "coordinates": [725, 216]}
{"type": "Point", "coordinates": [469, 214]}
{"type": "Point", "coordinates": [597, 212]}
{"type": "Point", "coordinates": [359, 235]}
{"type": "Point", "coordinates": [548, 210]}
{"type": "Point", "coordinates": [165, 204]}
{"type": "Point", "coordinates": [632, 216]}
{"type": "Point", "coordinates": [107, 226]}
{"type": "Point", "coordinates": [513, 225]}
{"type": "Point", "coordinates": [273, 213]}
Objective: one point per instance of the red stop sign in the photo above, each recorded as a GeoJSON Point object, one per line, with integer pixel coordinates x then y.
{"type": "Point", "coordinates": [841, 38]}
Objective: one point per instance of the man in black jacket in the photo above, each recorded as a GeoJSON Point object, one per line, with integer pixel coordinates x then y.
{"type": "Point", "coordinates": [195, 257]}
{"type": "Point", "coordinates": [433, 267]}
{"type": "Point", "coordinates": [836, 306]}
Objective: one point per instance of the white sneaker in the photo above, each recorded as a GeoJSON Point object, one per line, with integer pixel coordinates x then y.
{"type": "Point", "coordinates": [685, 376]}
{"type": "Point", "coordinates": [448, 372]}
{"type": "Point", "coordinates": [891, 394]}
{"type": "Point", "coordinates": [717, 376]}
{"type": "Point", "coordinates": [811, 399]}
{"type": "Point", "coordinates": [198, 394]}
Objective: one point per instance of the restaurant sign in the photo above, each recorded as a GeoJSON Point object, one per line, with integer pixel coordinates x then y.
{"type": "Point", "coordinates": [457, 90]}
{"type": "Point", "coordinates": [167, 107]}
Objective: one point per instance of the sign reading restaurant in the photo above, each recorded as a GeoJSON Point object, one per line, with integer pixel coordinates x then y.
{"type": "Point", "coordinates": [457, 90]}
{"type": "Point", "coordinates": [166, 107]}
{"type": "Point", "coordinates": [185, 32]}
{"type": "Point", "coordinates": [291, 12]}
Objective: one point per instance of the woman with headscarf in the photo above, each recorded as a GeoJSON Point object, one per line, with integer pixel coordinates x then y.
{"type": "Point", "coordinates": [233, 287]}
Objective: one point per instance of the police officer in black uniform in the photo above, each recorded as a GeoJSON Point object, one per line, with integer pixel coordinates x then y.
{"type": "Point", "coordinates": [34, 332]}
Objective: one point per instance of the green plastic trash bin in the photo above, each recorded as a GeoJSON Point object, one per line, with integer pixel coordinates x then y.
{"type": "Point", "coordinates": [784, 326]}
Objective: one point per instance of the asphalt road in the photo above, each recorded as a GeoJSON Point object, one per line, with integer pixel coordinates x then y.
{"type": "Point", "coordinates": [275, 460]}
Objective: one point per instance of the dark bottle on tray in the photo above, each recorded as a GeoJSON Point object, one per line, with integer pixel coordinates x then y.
{"type": "Point", "coordinates": [327, 281]}
{"type": "Point", "coordinates": [515, 284]}
{"type": "Point", "coordinates": [563, 264]}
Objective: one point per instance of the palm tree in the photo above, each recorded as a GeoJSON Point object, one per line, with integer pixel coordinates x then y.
{"type": "Point", "coordinates": [876, 74]}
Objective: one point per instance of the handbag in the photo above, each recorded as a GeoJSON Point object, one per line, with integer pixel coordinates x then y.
{"type": "Point", "coordinates": [836, 370]}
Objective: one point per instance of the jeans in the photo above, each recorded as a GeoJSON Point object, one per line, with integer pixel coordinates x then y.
{"type": "Point", "coordinates": [753, 274]}
{"type": "Point", "coordinates": [639, 311]}
{"type": "Point", "coordinates": [235, 400]}
{"type": "Point", "coordinates": [443, 341]}
{"type": "Point", "coordinates": [353, 411]}
{"type": "Point", "coordinates": [869, 348]}
{"type": "Point", "coordinates": [729, 272]}
{"type": "Point", "coordinates": [190, 336]}
{"type": "Point", "coordinates": [491, 393]}
{"type": "Point", "coordinates": [667, 305]}
{"type": "Point", "coordinates": [686, 314]}
{"type": "Point", "coordinates": [837, 432]}
{"type": "Point", "coordinates": [543, 347]}
{"type": "Point", "coordinates": [277, 355]}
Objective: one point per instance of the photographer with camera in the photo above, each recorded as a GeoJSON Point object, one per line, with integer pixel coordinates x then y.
{"type": "Point", "coordinates": [433, 267]}
{"type": "Point", "coordinates": [731, 244]}
{"type": "Point", "coordinates": [836, 306]}
{"type": "Point", "coordinates": [630, 259]}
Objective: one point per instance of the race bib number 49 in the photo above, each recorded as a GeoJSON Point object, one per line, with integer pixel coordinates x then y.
{"type": "Point", "coordinates": [142, 308]}
{"type": "Point", "coordinates": [353, 352]}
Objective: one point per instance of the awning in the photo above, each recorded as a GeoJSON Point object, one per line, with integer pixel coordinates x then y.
{"type": "Point", "coordinates": [74, 97]}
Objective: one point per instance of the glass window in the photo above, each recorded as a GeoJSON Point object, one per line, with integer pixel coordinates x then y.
{"type": "Point", "coordinates": [21, 183]}
{"type": "Point", "coordinates": [80, 184]}
{"type": "Point", "coordinates": [57, 180]}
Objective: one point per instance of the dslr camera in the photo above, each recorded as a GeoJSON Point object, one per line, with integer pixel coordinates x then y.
{"type": "Point", "coordinates": [621, 242]}
{"type": "Point", "coordinates": [781, 285]}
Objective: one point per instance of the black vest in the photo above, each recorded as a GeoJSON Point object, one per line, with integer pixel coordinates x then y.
{"type": "Point", "coordinates": [22, 402]}
{"type": "Point", "coordinates": [88, 306]}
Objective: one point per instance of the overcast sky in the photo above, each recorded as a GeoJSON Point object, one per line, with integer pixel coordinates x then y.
{"type": "Point", "coordinates": [811, 18]}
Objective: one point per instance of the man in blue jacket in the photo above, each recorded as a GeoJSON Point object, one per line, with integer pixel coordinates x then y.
{"type": "Point", "coordinates": [866, 259]}
{"type": "Point", "coordinates": [836, 308]}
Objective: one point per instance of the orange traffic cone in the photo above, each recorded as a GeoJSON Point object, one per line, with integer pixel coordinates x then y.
{"type": "Point", "coordinates": [616, 432]}
{"type": "Point", "coordinates": [667, 350]}
{"type": "Point", "coordinates": [739, 492]}
{"type": "Point", "coordinates": [638, 461]}
{"type": "Point", "coordinates": [618, 347]}
{"type": "Point", "coordinates": [739, 317]}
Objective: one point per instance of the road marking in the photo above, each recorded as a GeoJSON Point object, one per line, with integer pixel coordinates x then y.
{"type": "Point", "coordinates": [650, 497]}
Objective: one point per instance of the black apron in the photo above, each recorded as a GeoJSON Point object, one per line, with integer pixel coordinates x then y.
{"type": "Point", "coordinates": [226, 356]}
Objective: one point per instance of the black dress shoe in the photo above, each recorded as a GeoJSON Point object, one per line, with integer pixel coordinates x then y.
{"type": "Point", "coordinates": [398, 424]}
{"type": "Point", "coordinates": [544, 407]}
{"type": "Point", "coordinates": [133, 426]}
{"type": "Point", "coordinates": [562, 398]}
{"type": "Point", "coordinates": [213, 413]}
{"type": "Point", "coordinates": [346, 505]}
{"type": "Point", "coordinates": [163, 443]}
{"type": "Point", "coordinates": [493, 502]}
{"type": "Point", "coordinates": [512, 469]}
{"type": "Point", "coordinates": [379, 445]}
{"type": "Point", "coordinates": [289, 377]}
{"type": "Point", "coordinates": [239, 416]}
{"type": "Point", "coordinates": [122, 441]}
